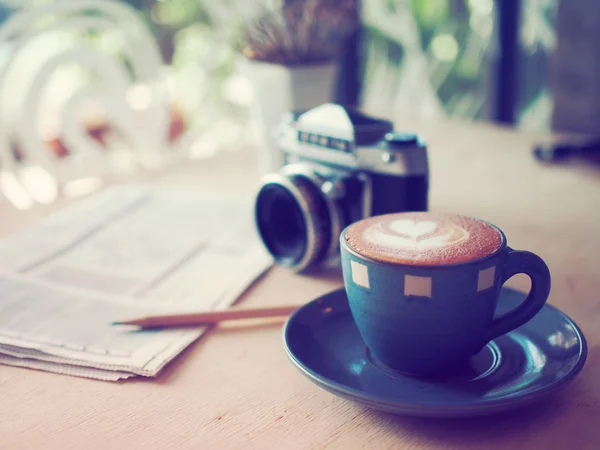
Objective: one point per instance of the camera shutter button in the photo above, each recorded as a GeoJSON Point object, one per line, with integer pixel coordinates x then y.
{"type": "Point", "coordinates": [400, 140]}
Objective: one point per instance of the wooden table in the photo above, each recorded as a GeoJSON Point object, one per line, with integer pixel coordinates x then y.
{"type": "Point", "coordinates": [235, 388]}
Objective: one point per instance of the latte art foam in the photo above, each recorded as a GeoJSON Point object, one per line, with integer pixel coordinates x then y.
{"type": "Point", "coordinates": [423, 238]}
{"type": "Point", "coordinates": [404, 233]}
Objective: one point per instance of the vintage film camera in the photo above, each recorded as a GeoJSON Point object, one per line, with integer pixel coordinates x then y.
{"type": "Point", "coordinates": [340, 166]}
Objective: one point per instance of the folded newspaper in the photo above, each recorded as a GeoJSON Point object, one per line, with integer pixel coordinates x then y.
{"type": "Point", "coordinates": [125, 252]}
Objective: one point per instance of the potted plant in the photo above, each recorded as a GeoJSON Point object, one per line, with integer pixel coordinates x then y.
{"type": "Point", "coordinates": [290, 52]}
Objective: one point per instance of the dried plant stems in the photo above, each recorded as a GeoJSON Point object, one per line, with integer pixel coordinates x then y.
{"type": "Point", "coordinates": [300, 31]}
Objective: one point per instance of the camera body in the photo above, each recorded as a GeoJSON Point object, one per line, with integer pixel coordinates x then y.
{"type": "Point", "coordinates": [340, 166]}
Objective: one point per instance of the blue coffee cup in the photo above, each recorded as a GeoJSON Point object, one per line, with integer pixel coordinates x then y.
{"type": "Point", "coordinates": [429, 320]}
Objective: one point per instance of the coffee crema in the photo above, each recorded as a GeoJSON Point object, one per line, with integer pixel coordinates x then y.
{"type": "Point", "coordinates": [423, 238]}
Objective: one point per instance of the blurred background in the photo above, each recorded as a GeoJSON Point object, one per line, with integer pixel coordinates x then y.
{"type": "Point", "coordinates": [523, 63]}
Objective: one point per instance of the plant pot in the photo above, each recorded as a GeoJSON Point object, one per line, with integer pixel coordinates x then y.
{"type": "Point", "coordinates": [279, 89]}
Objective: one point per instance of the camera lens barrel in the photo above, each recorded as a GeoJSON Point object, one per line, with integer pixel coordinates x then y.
{"type": "Point", "coordinates": [295, 219]}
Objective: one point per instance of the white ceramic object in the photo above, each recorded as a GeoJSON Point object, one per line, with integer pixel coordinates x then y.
{"type": "Point", "coordinates": [279, 89]}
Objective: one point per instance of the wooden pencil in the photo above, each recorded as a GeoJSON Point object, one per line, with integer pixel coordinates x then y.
{"type": "Point", "coordinates": [208, 317]}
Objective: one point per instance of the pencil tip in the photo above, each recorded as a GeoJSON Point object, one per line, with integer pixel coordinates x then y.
{"type": "Point", "coordinates": [116, 323]}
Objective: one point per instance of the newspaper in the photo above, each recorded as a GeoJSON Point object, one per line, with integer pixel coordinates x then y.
{"type": "Point", "coordinates": [126, 252]}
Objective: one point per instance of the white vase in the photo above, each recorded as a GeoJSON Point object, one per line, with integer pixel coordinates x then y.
{"type": "Point", "coordinates": [279, 89]}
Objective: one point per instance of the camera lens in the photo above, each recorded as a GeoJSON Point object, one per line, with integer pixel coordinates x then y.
{"type": "Point", "coordinates": [293, 219]}
{"type": "Point", "coordinates": [281, 223]}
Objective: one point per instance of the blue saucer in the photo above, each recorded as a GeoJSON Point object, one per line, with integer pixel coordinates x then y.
{"type": "Point", "coordinates": [511, 371]}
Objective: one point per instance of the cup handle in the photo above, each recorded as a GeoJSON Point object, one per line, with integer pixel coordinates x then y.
{"type": "Point", "coordinates": [537, 270]}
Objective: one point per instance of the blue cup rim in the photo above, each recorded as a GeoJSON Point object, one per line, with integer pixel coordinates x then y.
{"type": "Point", "coordinates": [503, 245]}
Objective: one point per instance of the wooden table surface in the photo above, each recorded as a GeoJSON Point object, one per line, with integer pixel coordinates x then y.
{"type": "Point", "coordinates": [235, 388]}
